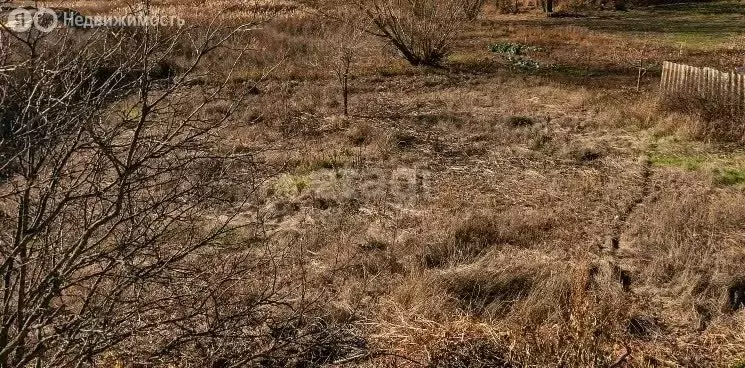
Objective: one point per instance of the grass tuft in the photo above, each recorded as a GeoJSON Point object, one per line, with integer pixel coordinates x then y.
{"type": "Point", "coordinates": [520, 121]}
{"type": "Point", "coordinates": [729, 176]}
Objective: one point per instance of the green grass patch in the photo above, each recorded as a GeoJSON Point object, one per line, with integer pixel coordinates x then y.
{"type": "Point", "coordinates": [328, 161]}
{"type": "Point", "coordinates": [701, 41]}
{"type": "Point", "coordinates": [690, 163]}
{"type": "Point", "coordinates": [289, 186]}
{"type": "Point", "coordinates": [515, 54]}
{"type": "Point", "coordinates": [729, 176]}
{"type": "Point", "coordinates": [723, 172]}
{"type": "Point", "coordinates": [701, 25]}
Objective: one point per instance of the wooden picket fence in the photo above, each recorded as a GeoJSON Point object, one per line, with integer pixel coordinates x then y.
{"type": "Point", "coordinates": [724, 89]}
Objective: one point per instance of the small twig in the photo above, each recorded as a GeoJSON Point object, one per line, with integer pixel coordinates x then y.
{"type": "Point", "coordinates": [642, 72]}
{"type": "Point", "coordinates": [369, 355]}
{"type": "Point", "coordinates": [622, 358]}
{"type": "Point", "coordinates": [352, 358]}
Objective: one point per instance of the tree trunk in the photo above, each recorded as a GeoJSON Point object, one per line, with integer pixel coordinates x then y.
{"type": "Point", "coordinates": [346, 94]}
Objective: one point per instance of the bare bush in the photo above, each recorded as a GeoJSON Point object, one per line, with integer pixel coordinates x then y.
{"type": "Point", "coordinates": [117, 240]}
{"type": "Point", "coordinates": [343, 47]}
{"type": "Point", "coordinates": [421, 30]}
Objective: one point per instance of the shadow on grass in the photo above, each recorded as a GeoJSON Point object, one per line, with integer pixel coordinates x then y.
{"type": "Point", "coordinates": [596, 76]}
{"type": "Point", "coordinates": [707, 19]}
{"type": "Point", "coordinates": [701, 8]}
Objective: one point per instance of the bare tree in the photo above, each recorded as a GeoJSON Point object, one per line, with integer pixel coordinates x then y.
{"type": "Point", "coordinates": [115, 207]}
{"type": "Point", "coordinates": [343, 45]}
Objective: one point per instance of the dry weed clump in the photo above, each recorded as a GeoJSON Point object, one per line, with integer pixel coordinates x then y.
{"type": "Point", "coordinates": [712, 120]}
{"type": "Point", "coordinates": [574, 317]}
{"type": "Point", "coordinates": [479, 233]}
{"type": "Point", "coordinates": [541, 311]}
{"type": "Point", "coordinates": [517, 121]}
{"type": "Point", "coordinates": [470, 353]}
{"type": "Point", "coordinates": [689, 247]}
{"type": "Point", "coordinates": [585, 152]}
{"type": "Point", "coordinates": [642, 111]}
{"type": "Point", "coordinates": [690, 229]}
{"type": "Point", "coordinates": [491, 293]}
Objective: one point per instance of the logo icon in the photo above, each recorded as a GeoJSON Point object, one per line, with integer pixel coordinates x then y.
{"type": "Point", "coordinates": [45, 20]}
{"type": "Point", "coordinates": [20, 20]}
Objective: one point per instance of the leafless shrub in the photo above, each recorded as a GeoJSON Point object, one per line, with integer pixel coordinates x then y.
{"type": "Point", "coordinates": [343, 46]}
{"type": "Point", "coordinates": [115, 238]}
{"type": "Point", "coordinates": [421, 30]}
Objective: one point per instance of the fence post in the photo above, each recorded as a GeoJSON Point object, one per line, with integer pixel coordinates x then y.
{"type": "Point", "coordinates": [741, 92]}
{"type": "Point", "coordinates": [717, 85]}
{"type": "Point", "coordinates": [736, 92]}
{"type": "Point", "coordinates": [728, 78]}
{"type": "Point", "coordinates": [728, 91]}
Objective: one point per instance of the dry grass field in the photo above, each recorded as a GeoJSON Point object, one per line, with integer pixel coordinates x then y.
{"type": "Point", "coordinates": [485, 213]}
